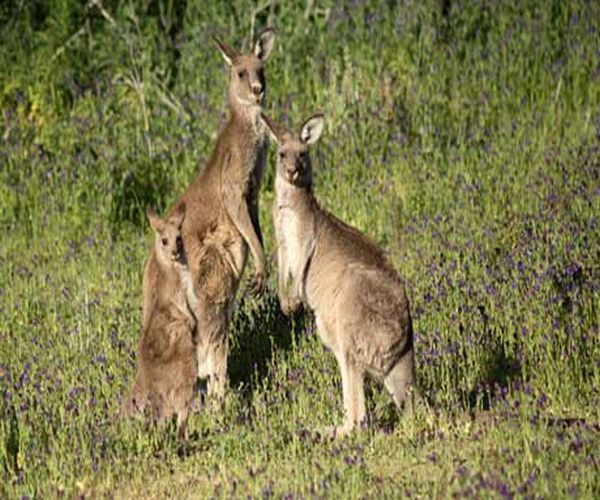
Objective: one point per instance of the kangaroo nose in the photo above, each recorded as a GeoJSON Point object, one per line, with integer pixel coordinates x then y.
{"type": "Point", "coordinates": [256, 90]}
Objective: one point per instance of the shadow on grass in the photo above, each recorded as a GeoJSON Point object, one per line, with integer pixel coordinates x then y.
{"type": "Point", "coordinates": [498, 374]}
{"type": "Point", "coordinates": [259, 329]}
{"type": "Point", "coordinates": [500, 371]}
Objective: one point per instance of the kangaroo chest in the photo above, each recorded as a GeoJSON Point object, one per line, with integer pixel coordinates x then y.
{"type": "Point", "coordinates": [244, 161]}
{"type": "Point", "coordinates": [247, 162]}
{"type": "Point", "coordinates": [290, 234]}
{"type": "Point", "coordinates": [175, 293]}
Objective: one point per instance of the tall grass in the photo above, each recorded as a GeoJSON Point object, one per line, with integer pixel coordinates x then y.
{"type": "Point", "coordinates": [464, 140]}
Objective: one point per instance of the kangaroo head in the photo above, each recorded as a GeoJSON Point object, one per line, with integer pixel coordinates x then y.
{"type": "Point", "coordinates": [293, 161]}
{"type": "Point", "coordinates": [169, 244]}
{"type": "Point", "coordinates": [247, 85]}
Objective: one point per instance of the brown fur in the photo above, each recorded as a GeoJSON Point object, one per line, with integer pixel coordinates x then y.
{"type": "Point", "coordinates": [362, 312]}
{"type": "Point", "coordinates": [221, 222]}
{"type": "Point", "coordinates": [167, 366]}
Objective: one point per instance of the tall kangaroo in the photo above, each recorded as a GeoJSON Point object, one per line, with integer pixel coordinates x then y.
{"type": "Point", "coordinates": [362, 312]}
{"type": "Point", "coordinates": [167, 366]}
{"type": "Point", "coordinates": [222, 212]}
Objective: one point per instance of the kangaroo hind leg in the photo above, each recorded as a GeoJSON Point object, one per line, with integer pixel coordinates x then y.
{"type": "Point", "coordinates": [354, 396]}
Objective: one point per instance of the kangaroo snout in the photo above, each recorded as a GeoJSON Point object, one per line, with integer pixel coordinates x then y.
{"type": "Point", "coordinates": [257, 92]}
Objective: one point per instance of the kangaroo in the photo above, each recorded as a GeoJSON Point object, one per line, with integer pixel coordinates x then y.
{"type": "Point", "coordinates": [361, 309]}
{"type": "Point", "coordinates": [167, 365]}
{"type": "Point", "coordinates": [222, 212]}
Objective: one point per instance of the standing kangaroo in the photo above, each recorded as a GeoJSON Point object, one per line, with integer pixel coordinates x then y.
{"type": "Point", "coordinates": [222, 212]}
{"type": "Point", "coordinates": [167, 366]}
{"type": "Point", "coordinates": [361, 309]}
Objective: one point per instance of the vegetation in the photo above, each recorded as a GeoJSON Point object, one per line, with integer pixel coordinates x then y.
{"type": "Point", "coordinates": [462, 136]}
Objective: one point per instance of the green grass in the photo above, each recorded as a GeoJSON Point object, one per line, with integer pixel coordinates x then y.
{"type": "Point", "coordinates": [467, 145]}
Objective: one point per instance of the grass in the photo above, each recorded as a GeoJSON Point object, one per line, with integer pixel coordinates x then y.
{"type": "Point", "coordinates": [466, 143]}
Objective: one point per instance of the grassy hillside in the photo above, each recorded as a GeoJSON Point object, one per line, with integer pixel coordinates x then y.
{"type": "Point", "coordinates": [463, 136]}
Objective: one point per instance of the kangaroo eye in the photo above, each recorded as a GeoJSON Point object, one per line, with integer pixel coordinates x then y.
{"type": "Point", "coordinates": [281, 155]}
{"type": "Point", "coordinates": [164, 241]}
{"type": "Point", "coordinates": [179, 241]}
{"type": "Point", "coordinates": [241, 74]}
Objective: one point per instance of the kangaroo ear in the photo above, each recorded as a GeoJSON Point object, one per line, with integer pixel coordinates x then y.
{"type": "Point", "coordinates": [155, 221]}
{"type": "Point", "coordinates": [264, 44]}
{"type": "Point", "coordinates": [273, 129]}
{"type": "Point", "coordinates": [312, 129]}
{"type": "Point", "coordinates": [179, 215]}
{"type": "Point", "coordinates": [228, 53]}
